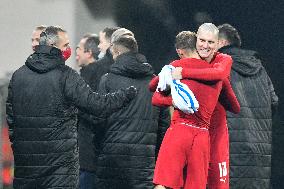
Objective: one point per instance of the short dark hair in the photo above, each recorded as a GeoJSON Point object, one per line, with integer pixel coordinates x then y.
{"type": "Point", "coordinates": [128, 42]}
{"type": "Point", "coordinates": [231, 34]}
{"type": "Point", "coordinates": [186, 40]}
{"type": "Point", "coordinates": [109, 31]}
{"type": "Point", "coordinates": [91, 44]}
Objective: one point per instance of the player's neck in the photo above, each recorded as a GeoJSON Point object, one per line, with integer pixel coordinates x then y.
{"type": "Point", "coordinates": [192, 55]}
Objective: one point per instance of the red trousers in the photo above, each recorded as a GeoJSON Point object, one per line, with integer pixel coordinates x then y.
{"type": "Point", "coordinates": [184, 146]}
{"type": "Point", "coordinates": [218, 174]}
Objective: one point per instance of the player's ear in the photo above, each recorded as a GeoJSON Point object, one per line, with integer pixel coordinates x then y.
{"type": "Point", "coordinates": [179, 52]}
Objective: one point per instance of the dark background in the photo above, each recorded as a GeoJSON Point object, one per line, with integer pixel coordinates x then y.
{"type": "Point", "coordinates": [260, 23]}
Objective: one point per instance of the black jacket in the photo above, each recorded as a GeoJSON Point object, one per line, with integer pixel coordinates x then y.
{"type": "Point", "coordinates": [250, 130]}
{"type": "Point", "coordinates": [92, 74]}
{"type": "Point", "coordinates": [42, 117]}
{"type": "Point", "coordinates": [129, 140]}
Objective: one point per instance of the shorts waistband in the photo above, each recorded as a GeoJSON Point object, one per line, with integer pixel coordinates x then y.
{"type": "Point", "coordinates": [190, 125]}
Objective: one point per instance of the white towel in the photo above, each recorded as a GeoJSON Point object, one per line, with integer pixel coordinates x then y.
{"type": "Point", "coordinates": [182, 96]}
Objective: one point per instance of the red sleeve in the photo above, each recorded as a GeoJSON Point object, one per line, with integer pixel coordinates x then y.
{"type": "Point", "coordinates": [158, 99]}
{"type": "Point", "coordinates": [221, 67]}
{"type": "Point", "coordinates": [228, 98]}
{"type": "Point", "coordinates": [153, 84]}
{"type": "Point", "coordinates": [175, 63]}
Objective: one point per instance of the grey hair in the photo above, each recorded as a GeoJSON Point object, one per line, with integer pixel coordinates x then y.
{"type": "Point", "coordinates": [119, 33]}
{"type": "Point", "coordinates": [49, 36]}
{"type": "Point", "coordinates": [208, 27]}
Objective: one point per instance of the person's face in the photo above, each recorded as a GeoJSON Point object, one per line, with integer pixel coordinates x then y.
{"type": "Point", "coordinates": [64, 42]}
{"type": "Point", "coordinates": [104, 43]}
{"type": "Point", "coordinates": [82, 56]}
{"type": "Point", "coordinates": [222, 43]}
{"type": "Point", "coordinates": [35, 38]}
{"type": "Point", "coordinates": [206, 45]}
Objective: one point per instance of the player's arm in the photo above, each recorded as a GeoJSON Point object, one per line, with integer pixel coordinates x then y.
{"type": "Point", "coordinates": [228, 98]}
{"type": "Point", "coordinates": [219, 70]}
{"type": "Point", "coordinates": [153, 84]}
{"type": "Point", "coordinates": [161, 100]}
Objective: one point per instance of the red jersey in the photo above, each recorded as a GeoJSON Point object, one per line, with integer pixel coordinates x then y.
{"type": "Point", "coordinates": [219, 158]}
{"type": "Point", "coordinates": [206, 92]}
{"type": "Point", "coordinates": [219, 70]}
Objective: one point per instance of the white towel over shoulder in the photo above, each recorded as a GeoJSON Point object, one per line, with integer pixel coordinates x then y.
{"type": "Point", "coordinates": [182, 96]}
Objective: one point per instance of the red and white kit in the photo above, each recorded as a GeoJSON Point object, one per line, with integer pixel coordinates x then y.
{"type": "Point", "coordinates": [186, 143]}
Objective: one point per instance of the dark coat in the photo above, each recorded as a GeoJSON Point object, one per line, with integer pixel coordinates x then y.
{"type": "Point", "coordinates": [250, 130]}
{"type": "Point", "coordinates": [42, 116]}
{"type": "Point", "coordinates": [129, 143]}
{"type": "Point", "coordinates": [92, 74]}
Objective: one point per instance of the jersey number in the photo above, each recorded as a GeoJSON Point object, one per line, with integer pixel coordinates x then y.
{"type": "Point", "coordinates": [223, 169]}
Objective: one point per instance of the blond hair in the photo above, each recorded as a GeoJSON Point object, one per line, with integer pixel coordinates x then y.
{"type": "Point", "coordinates": [208, 27]}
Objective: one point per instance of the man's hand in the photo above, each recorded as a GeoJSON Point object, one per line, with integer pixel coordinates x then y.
{"type": "Point", "coordinates": [131, 92]}
{"type": "Point", "coordinates": [176, 73]}
{"type": "Point", "coordinates": [174, 106]}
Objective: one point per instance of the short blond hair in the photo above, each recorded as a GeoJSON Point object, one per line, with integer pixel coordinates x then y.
{"type": "Point", "coordinates": [126, 43]}
{"type": "Point", "coordinates": [119, 33]}
{"type": "Point", "coordinates": [208, 27]}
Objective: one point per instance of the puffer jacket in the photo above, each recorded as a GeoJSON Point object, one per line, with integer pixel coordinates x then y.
{"type": "Point", "coordinates": [86, 130]}
{"type": "Point", "coordinates": [41, 107]}
{"type": "Point", "coordinates": [130, 141]}
{"type": "Point", "coordinates": [92, 74]}
{"type": "Point", "coordinates": [250, 130]}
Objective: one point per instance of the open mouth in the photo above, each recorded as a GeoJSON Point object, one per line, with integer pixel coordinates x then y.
{"type": "Point", "coordinates": [204, 50]}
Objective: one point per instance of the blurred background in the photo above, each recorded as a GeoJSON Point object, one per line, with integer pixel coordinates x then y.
{"type": "Point", "coordinates": [155, 24]}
